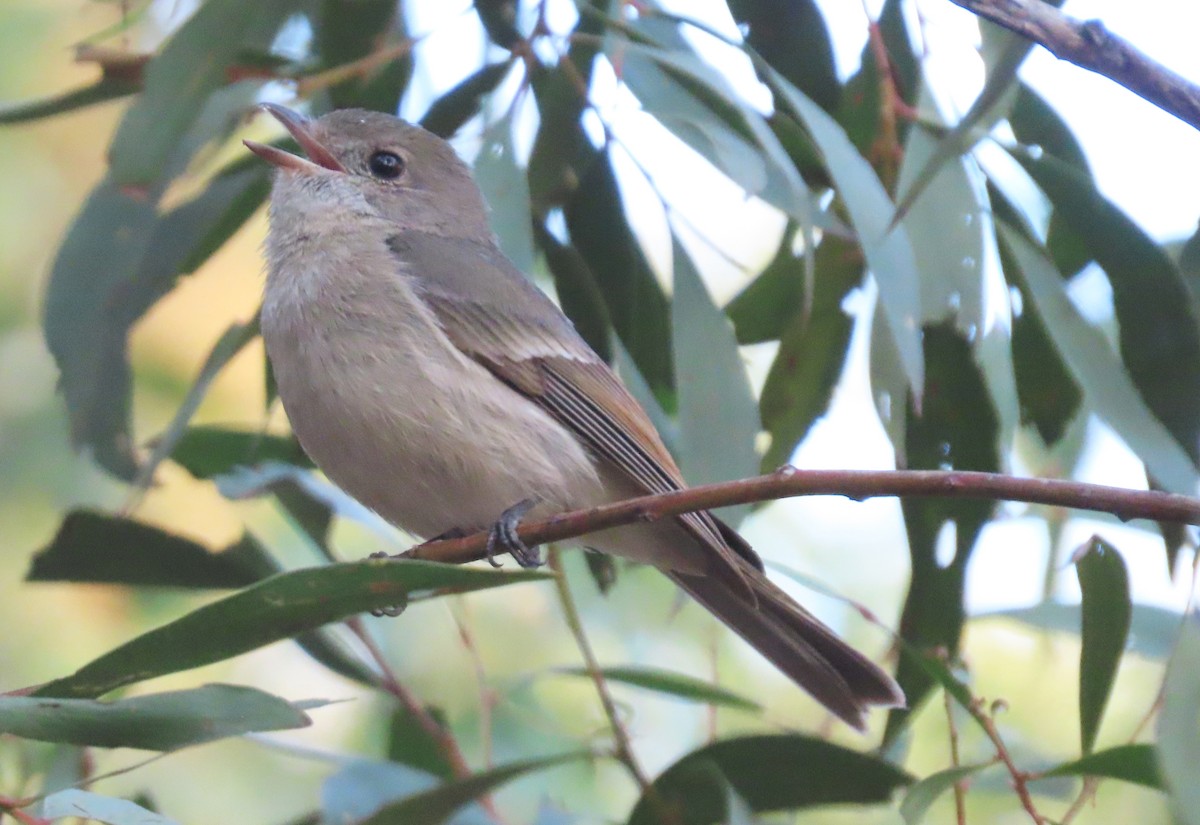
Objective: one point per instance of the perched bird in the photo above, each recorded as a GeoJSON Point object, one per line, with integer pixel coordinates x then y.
{"type": "Point", "coordinates": [433, 382]}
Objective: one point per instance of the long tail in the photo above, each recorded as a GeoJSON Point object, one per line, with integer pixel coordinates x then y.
{"type": "Point", "coordinates": [808, 652]}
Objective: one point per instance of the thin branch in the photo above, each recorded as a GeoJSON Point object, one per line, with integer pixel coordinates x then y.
{"type": "Point", "coordinates": [624, 748]}
{"type": "Point", "coordinates": [1089, 45]}
{"type": "Point", "coordinates": [960, 787]}
{"type": "Point", "coordinates": [1020, 778]}
{"type": "Point", "coordinates": [855, 484]}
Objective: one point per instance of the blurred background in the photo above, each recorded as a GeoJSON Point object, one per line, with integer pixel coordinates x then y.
{"type": "Point", "coordinates": [482, 658]}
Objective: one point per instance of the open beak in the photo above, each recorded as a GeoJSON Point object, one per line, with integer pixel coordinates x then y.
{"type": "Point", "coordinates": [300, 128]}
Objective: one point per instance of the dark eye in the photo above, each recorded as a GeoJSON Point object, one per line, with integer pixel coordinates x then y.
{"type": "Point", "coordinates": [386, 165]}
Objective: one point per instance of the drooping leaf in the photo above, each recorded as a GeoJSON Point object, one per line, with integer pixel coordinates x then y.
{"type": "Point", "coordinates": [96, 547]}
{"type": "Point", "coordinates": [1159, 333]}
{"type": "Point", "coordinates": [278, 608]}
{"type": "Point", "coordinates": [562, 151]}
{"type": "Point", "coordinates": [771, 773]}
{"type": "Point", "coordinates": [811, 353]}
{"type": "Point", "coordinates": [206, 451]}
{"type": "Point", "coordinates": [888, 252]}
{"type": "Point", "coordinates": [1129, 763]}
{"type": "Point", "coordinates": [506, 190]}
{"type": "Point", "coordinates": [434, 806]}
{"type": "Point", "coordinates": [920, 796]}
{"type": "Point", "coordinates": [1036, 123]}
{"type": "Point", "coordinates": [956, 428]}
{"type": "Point", "coordinates": [791, 36]}
{"type": "Point", "coordinates": [1106, 611]}
{"type": "Point", "coordinates": [499, 18]}
{"type": "Point", "coordinates": [674, 684]}
{"type": "Point", "coordinates": [578, 293]}
{"type": "Point", "coordinates": [448, 113]}
{"type": "Point", "coordinates": [1107, 387]}
{"type": "Point", "coordinates": [74, 803]}
{"type": "Point", "coordinates": [640, 314]}
{"type": "Point", "coordinates": [717, 414]}
{"type": "Point", "coordinates": [194, 63]}
{"type": "Point", "coordinates": [1178, 728]}
{"type": "Point", "coordinates": [157, 721]}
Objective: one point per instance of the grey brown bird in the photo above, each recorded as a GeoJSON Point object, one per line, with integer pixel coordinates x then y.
{"type": "Point", "coordinates": [433, 382]}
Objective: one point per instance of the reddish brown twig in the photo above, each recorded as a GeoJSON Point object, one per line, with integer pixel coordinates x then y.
{"type": "Point", "coordinates": [855, 484]}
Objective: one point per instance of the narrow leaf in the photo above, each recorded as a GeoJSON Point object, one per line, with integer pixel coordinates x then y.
{"type": "Point", "coordinates": [888, 250]}
{"type": "Point", "coordinates": [434, 806]}
{"type": "Point", "coordinates": [207, 451]}
{"type": "Point", "coordinates": [1152, 629]}
{"type": "Point", "coordinates": [96, 547]}
{"type": "Point", "coordinates": [1129, 763]}
{"type": "Point", "coordinates": [448, 113]}
{"type": "Point", "coordinates": [674, 684]}
{"type": "Point", "coordinates": [1178, 726]}
{"type": "Point", "coordinates": [717, 413]}
{"type": "Point", "coordinates": [1107, 387]}
{"type": "Point", "coordinates": [919, 797]}
{"type": "Point", "coordinates": [194, 63]}
{"type": "Point", "coordinates": [277, 608]}
{"type": "Point", "coordinates": [771, 773]}
{"type": "Point", "coordinates": [157, 721]}
{"type": "Point", "coordinates": [506, 190]}
{"type": "Point", "coordinates": [1106, 610]}
{"type": "Point", "coordinates": [102, 91]}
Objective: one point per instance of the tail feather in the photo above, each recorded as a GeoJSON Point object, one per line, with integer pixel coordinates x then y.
{"type": "Point", "coordinates": [796, 642]}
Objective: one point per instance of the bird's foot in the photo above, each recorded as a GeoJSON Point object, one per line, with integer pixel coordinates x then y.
{"type": "Point", "coordinates": [503, 538]}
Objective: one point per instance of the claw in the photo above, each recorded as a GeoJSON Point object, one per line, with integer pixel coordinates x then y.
{"type": "Point", "coordinates": [503, 538]}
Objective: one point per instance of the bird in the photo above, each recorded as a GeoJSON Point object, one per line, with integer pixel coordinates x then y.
{"type": "Point", "coordinates": [436, 384]}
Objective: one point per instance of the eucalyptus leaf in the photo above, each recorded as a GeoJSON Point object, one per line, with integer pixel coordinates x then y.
{"type": "Point", "coordinates": [671, 683]}
{"type": "Point", "coordinates": [1178, 726]}
{"type": "Point", "coordinates": [1106, 611]}
{"type": "Point", "coordinates": [73, 803]}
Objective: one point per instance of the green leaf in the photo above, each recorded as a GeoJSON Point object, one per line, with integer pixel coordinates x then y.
{"type": "Point", "coordinates": [1152, 629]}
{"type": "Point", "coordinates": [766, 307]}
{"type": "Point", "coordinates": [500, 177]}
{"type": "Point", "coordinates": [665, 681]}
{"type": "Point", "coordinates": [448, 113]}
{"type": "Point", "coordinates": [562, 151]}
{"type": "Point", "coordinates": [771, 773]}
{"type": "Point", "coordinates": [344, 32]}
{"type": "Point", "coordinates": [499, 18]}
{"type": "Point", "coordinates": [888, 251]}
{"type": "Point", "coordinates": [434, 806]}
{"type": "Point", "coordinates": [811, 353]}
{"type": "Point", "coordinates": [1107, 387]}
{"type": "Point", "coordinates": [178, 82]}
{"type": "Point", "coordinates": [206, 451]}
{"type": "Point", "coordinates": [86, 326]}
{"type": "Point", "coordinates": [1159, 332]}
{"type": "Point", "coordinates": [1129, 763]}
{"type": "Point", "coordinates": [634, 298]}
{"type": "Point", "coordinates": [1178, 726]}
{"type": "Point", "coordinates": [96, 547]}
{"type": "Point", "coordinates": [1106, 610]}
{"type": "Point", "coordinates": [792, 37]}
{"type": "Point", "coordinates": [278, 608]}
{"type": "Point", "coordinates": [578, 293]}
{"type": "Point", "coordinates": [718, 414]}
{"type": "Point", "coordinates": [74, 803]}
{"type": "Point", "coordinates": [409, 743]}
{"type": "Point", "coordinates": [90, 309]}
{"type": "Point", "coordinates": [919, 797]}
{"type": "Point", "coordinates": [956, 428]}
{"type": "Point", "coordinates": [157, 721]}
{"type": "Point", "coordinates": [102, 91]}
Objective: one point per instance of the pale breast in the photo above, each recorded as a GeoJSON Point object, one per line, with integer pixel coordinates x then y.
{"type": "Point", "coordinates": [391, 411]}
